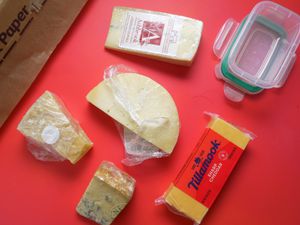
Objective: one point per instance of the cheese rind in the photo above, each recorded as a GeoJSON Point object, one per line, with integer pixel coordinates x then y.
{"type": "Point", "coordinates": [169, 38]}
{"type": "Point", "coordinates": [107, 194]}
{"type": "Point", "coordinates": [141, 105]}
{"type": "Point", "coordinates": [50, 128]}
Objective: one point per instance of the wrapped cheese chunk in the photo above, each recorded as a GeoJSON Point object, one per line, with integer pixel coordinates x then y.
{"type": "Point", "coordinates": [107, 194]}
{"type": "Point", "coordinates": [143, 107]}
{"type": "Point", "coordinates": [52, 133]}
{"type": "Point", "coordinates": [206, 170]}
{"type": "Point", "coordinates": [157, 35]}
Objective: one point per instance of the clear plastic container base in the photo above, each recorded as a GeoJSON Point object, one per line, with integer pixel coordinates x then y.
{"type": "Point", "coordinates": [259, 52]}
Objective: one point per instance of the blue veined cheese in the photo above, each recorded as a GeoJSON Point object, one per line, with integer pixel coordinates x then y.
{"type": "Point", "coordinates": [157, 35]}
{"type": "Point", "coordinates": [107, 194]}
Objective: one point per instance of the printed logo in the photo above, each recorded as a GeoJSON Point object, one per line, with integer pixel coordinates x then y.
{"type": "Point", "coordinates": [199, 173]}
{"type": "Point", "coordinates": [223, 155]}
{"type": "Point", "coordinates": [151, 33]}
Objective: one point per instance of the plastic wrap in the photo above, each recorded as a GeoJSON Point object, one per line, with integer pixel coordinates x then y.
{"type": "Point", "coordinates": [107, 194]}
{"type": "Point", "coordinates": [205, 172]}
{"type": "Point", "coordinates": [52, 133]}
{"type": "Point", "coordinates": [126, 101]}
{"type": "Point", "coordinates": [137, 149]}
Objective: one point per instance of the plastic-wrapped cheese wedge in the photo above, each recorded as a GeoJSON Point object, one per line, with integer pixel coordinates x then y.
{"type": "Point", "coordinates": [157, 35]}
{"type": "Point", "coordinates": [206, 170]}
{"type": "Point", "coordinates": [107, 194]}
{"type": "Point", "coordinates": [52, 133]}
{"type": "Point", "coordinates": [141, 105]}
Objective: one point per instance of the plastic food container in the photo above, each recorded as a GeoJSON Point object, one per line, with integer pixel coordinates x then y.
{"type": "Point", "coordinates": [259, 52]}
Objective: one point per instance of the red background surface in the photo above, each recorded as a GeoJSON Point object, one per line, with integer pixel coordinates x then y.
{"type": "Point", "coordinates": [264, 187]}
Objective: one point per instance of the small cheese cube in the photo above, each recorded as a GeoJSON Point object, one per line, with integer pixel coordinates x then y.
{"type": "Point", "coordinates": [52, 130]}
{"type": "Point", "coordinates": [107, 194]}
{"type": "Point", "coordinates": [157, 35]}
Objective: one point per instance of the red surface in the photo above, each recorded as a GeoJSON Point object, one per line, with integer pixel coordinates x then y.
{"type": "Point", "coordinates": [263, 188]}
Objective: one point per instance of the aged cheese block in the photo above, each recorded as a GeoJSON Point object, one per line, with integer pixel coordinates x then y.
{"type": "Point", "coordinates": [206, 170]}
{"type": "Point", "coordinates": [107, 194]}
{"type": "Point", "coordinates": [51, 127]}
{"type": "Point", "coordinates": [157, 35]}
{"type": "Point", "coordinates": [141, 105]}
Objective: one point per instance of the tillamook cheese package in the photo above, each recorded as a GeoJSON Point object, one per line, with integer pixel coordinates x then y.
{"type": "Point", "coordinates": [157, 35]}
{"type": "Point", "coordinates": [205, 172]}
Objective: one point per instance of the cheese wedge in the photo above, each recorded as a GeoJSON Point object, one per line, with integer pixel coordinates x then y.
{"type": "Point", "coordinates": [52, 130]}
{"type": "Point", "coordinates": [156, 35]}
{"type": "Point", "coordinates": [206, 170]}
{"type": "Point", "coordinates": [141, 105]}
{"type": "Point", "coordinates": [107, 194]}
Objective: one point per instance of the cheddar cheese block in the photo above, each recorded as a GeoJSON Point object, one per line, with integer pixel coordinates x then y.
{"type": "Point", "coordinates": [157, 35]}
{"type": "Point", "coordinates": [141, 105]}
{"type": "Point", "coordinates": [206, 170]}
{"type": "Point", "coordinates": [50, 127]}
{"type": "Point", "coordinates": [107, 194]}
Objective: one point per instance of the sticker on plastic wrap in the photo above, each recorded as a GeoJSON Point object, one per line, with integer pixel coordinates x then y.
{"type": "Point", "coordinates": [151, 32]}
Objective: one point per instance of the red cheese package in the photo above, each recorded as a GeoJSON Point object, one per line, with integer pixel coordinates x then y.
{"type": "Point", "coordinates": [206, 170]}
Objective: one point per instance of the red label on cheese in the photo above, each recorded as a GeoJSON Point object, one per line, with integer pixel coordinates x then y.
{"type": "Point", "coordinates": [208, 167]}
{"type": "Point", "coordinates": [152, 33]}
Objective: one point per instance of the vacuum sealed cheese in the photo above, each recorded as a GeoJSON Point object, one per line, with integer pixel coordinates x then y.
{"type": "Point", "coordinates": [157, 35]}
{"type": "Point", "coordinates": [145, 110]}
{"type": "Point", "coordinates": [206, 170]}
{"type": "Point", "coordinates": [52, 133]}
{"type": "Point", "coordinates": [107, 195]}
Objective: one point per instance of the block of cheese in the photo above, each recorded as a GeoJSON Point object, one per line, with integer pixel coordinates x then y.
{"type": "Point", "coordinates": [141, 105]}
{"type": "Point", "coordinates": [157, 35]}
{"type": "Point", "coordinates": [52, 132]}
{"type": "Point", "coordinates": [107, 194]}
{"type": "Point", "coordinates": [207, 169]}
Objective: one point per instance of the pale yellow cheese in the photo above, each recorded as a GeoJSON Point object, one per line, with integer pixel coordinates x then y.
{"type": "Point", "coordinates": [230, 132]}
{"type": "Point", "coordinates": [185, 204]}
{"type": "Point", "coordinates": [50, 126]}
{"type": "Point", "coordinates": [141, 105]}
{"type": "Point", "coordinates": [184, 33]}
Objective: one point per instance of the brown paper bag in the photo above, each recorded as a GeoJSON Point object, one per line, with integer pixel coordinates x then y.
{"type": "Point", "coordinates": [29, 32]}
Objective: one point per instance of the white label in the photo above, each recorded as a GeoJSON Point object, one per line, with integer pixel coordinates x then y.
{"type": "Point", "coordinates": [50, 134]}
{"type": "Point", "coordinates": [151, 32]}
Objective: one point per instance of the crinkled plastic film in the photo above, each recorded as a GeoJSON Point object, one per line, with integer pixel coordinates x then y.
{"type": "Point", "coordinates": [137, 149]}
{"type": "Point", "coordinates": [52, 133]}
{"type": "Point", "coordinates": [182, 202]}
{"type": "Point", "coordinates": [116, 178]}
{"type": "Point", "coordinates": [214, 116]}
